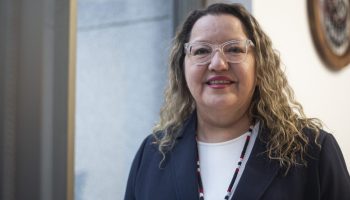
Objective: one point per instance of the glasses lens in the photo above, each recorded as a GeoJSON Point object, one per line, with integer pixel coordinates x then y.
{"type": "Point", "coordinates": [236, 51]}
{"type": "Point", "coordinates": [200, 53]}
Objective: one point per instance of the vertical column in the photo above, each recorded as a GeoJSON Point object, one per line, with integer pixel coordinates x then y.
{"type": "Point", "coordinates": [35, 66]}
{"type": "Point", "coordinates": [8, 75]}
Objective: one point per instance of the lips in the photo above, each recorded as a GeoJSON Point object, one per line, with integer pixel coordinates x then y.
{"type": "Point", "coordinates": [219, 80]}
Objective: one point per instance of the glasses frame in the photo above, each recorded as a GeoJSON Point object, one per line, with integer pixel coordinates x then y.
{"type": "Point", "coordinates": [219, 47]}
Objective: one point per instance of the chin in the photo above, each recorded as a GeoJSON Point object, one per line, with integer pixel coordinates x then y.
{"type": "Point", "coordinates": [223, 103]}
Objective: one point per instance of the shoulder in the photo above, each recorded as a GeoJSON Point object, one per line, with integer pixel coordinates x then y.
{"type": "Point", "coordinates": [315, 137]}
{"type": "Point", "coordinates": [142, 160]}
{"type": "Point", "coordinates": [322, 146]}
{"type": "Point", "coordinates": [325, 175]}
{"type": "Point", "coordinates": [148, 146]}
{"type": "Point", "coordinates": [326, 168]}
{"type": "Point", "coordinates": [333, 173]}
{"type": "Point", "coordinates": [323, 143]}
{"type": "Point", "coordinates": [146, 152]}
{"type": "Point", "coordinates": [316, 140]}
{"type": "Point", "coordinates": [330, 154]}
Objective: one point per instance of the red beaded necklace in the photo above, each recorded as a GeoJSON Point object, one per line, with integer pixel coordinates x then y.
{"type": "Point", "coordinates": [229, 190]}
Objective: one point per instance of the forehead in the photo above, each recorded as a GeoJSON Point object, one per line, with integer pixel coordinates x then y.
{"type": "Point", "coordinates": [217, 28]}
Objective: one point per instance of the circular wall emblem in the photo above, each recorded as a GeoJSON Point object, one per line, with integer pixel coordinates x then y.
{"type": "Point", "coordinates": [330, 29]}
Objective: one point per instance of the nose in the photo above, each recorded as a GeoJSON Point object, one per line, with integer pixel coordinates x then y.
{"type": "Point", "coordinates": [218, 62]}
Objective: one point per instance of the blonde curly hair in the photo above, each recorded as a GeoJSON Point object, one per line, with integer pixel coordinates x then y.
{"type": "Point", "coordinates": [273, 103]}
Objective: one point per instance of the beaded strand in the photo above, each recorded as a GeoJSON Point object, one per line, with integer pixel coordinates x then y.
{"type": "Point", "coordinates": [239, 164]}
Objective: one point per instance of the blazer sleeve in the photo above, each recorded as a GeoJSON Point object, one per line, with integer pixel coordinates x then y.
{"type": "Point", "coordinates": [130, 187]}
{"type": "Point", "coordinates": [334, 176]}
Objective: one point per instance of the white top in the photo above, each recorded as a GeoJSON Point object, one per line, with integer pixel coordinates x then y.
{"type": "Point", "coordinates": [218, 162]}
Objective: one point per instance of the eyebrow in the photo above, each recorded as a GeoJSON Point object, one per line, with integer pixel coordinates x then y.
{"type": "Point", "coordinates": [210, 42]}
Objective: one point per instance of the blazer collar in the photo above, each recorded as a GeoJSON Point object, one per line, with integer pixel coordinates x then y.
{"type": "Point", "coordinates": [259, 171]}
{"type": "Point", "coordinates": [257, 175]}
{"type": "Point", "coordinates": [183, 161]}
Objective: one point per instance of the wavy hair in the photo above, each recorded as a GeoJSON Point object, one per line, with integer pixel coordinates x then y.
{"type": "Point", "coordinates": [273, 102]}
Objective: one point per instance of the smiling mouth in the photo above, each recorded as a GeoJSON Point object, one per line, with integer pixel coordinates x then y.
{"type": "Point", "coordinates": [219, 82]}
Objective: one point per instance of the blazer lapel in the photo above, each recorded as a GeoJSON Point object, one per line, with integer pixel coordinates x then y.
{"type": "Point", "coordinates": [183, 162]}
{"type": "Point", "coordinates": [257, 176]}
{"type": "Point", "coordinates": [258, 173]}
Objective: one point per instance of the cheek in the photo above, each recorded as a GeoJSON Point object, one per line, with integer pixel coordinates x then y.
{"type": "Point", "coordinates": [248, 71]}
{"type": "Point", "coordinates": [253, 68]}
{"type": "Point", "coordinates": [193, 78]}
{"type": "Point", "coordinates": [187, 73]}
{"type": "Point", "coordinates": [188, 77]}
{"type": "Point", "coordinates": [252, 74]}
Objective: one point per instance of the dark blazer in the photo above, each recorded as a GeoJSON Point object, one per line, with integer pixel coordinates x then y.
{"type": "Point", "coordinates": [325, 177]}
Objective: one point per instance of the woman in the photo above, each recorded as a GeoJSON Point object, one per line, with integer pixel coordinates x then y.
{"type": "Point", "coordinates": [230, 127]}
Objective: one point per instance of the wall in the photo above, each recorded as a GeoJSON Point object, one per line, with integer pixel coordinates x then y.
{"type": "Point", "coordinates": [323, 93]}
{"type": "Point", "coordinates": [122, 55]}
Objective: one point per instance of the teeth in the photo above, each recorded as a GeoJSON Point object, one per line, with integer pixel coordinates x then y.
{"type": "Point", "coordinates": [219, 82]}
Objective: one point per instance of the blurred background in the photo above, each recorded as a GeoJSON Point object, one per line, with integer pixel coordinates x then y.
{"type": "Point", "coordinates": [81, 85]}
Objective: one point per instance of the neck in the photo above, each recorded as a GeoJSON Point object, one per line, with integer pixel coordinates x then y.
{"type": "Point", "coordinates": [216, 127]}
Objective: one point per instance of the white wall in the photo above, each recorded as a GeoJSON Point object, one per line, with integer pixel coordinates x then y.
{"type": "Point", "coordinates": [323, 93]}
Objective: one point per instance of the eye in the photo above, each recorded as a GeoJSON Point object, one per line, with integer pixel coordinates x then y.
{"type": "Point", "coordinates": [200, 50]}
{"type": "Point", "coordinates": [235, 49]}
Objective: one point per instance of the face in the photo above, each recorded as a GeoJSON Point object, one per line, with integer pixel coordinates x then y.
{"type": "Point", "coordinates": [219, 84]}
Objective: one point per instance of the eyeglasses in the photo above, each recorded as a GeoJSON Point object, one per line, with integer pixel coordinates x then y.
{"type": "Point", "coordinates": [235, 51]}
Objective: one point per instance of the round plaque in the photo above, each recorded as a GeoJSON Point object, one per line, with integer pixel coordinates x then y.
{"type": "Point", "coordinates": [330, 28]}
